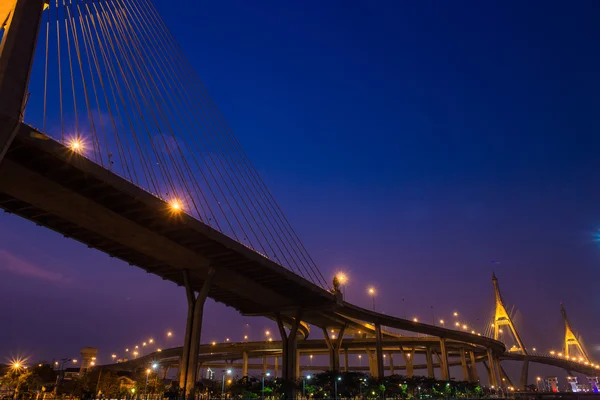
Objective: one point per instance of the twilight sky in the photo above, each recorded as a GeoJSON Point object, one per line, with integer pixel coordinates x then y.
{"type": "Point", "coordinates": [409, 143]}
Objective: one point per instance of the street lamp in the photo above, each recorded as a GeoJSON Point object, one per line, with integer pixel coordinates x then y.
{"type": "Point", "coordinates": [372, 292]}
{"type": "Point", "coordinates": [538, 379]}
{"type": "Point", "coordinates": [146, 386]}
{"type": "Point", "coordinates": [304, 385]}
{"type": "Point", "coordinates": [223, 385]}
{"type": "Point", "coordinates": [339, 378]}
{"type": "Point", "coordinates": [263, 385]}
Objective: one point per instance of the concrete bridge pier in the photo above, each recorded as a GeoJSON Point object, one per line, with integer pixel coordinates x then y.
{"type": "Point", "coordinates": [463, 364]}
{"type": "Point", "coordinates": [189, 360]}
{"type": "Point", "coordinates": [245, 364]}
{"type": "Point", "coordinates": [276, 369]}
{"type": "Point", "coordinates": [429, 360]}
{"type": "Point", "coordinates": [379, 352]}
{"type": "Point", "coordinates": [444, 360]}
{"type": "Point", "coordinates": [408, 361]}
{"type": "Point", "coordinates": [391, 364]}
{"type": "Point", "coordinates": [22, 20]}
{"type": "Point", "coordinates": [334, 346]}
{"type": "Point", "coordinates": [474, 377]}
{"type": "Point", "coordinates": [289, 360]}
{"type": "Point", "coordinates": [493, 377]}
{"type": "Point", "coordinates": [524, 374]}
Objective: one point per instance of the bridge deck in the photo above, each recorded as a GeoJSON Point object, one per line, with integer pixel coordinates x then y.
{"type": "Point", "coordinates": [72, 195]}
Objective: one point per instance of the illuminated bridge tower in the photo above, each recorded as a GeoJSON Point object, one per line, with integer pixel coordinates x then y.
{"type": "Point", "coordinates": [572, 346]}
{"type": "Point", "coordinates": [502, 319]}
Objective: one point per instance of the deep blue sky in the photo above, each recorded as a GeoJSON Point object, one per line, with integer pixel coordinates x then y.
{"type": "Point", "coordinates": [409, 143]}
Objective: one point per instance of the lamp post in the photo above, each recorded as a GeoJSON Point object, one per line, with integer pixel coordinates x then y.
{"type": "Point", "coordinates": [339, 378]}
{"type": "Point", "coordinates": [223, 385]}
{"type": "Point", "coordinates": [262, 392]}
{"type": "Point", "coordinates": [538, 379]}
{"type": "Point", "coordinates": [304, 385]}
{"type": "Point", "coordinates": [372, 292]}
{"type": "Point", "coordinates": [146, 385]}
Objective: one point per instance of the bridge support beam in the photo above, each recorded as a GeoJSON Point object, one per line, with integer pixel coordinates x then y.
{"type": "Point", "coordinates": [379, 352]}
{"type": "Point", "coordinates": [391, 364]}
{"type": "Point", "coordinates": [334, 346]}
{"type": "Point", "coordinates": [429, 360]}
{"type": "Point", "coordinates": [193, 330]}
{"type": "Point", "coordinates": [289, 359]}
{"type": "Point", "coordinates": [16, 57]}
{"type": "Point", "coordinates": [245, 364]}
{"type": "Point", "coordinates": [524, 374]}
{"type": "Point", "coordinates": [408, 361]}
{"type": "Point", "coordinates": [493, 377]}
{"type": "Point", "coordinates": [474, 377]}
{"type": "Point", "coordinates": [463, 363]}
{"type": "Point", "coordinates": [444, 360]}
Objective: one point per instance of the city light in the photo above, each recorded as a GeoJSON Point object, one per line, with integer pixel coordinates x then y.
{"type": "Point", "coordinates": [113, 356]}
{"type": "Point", "coordinates": [144, 344]}
{"type": "Point", "coordinates": [148, 371]}
{"type": "Point", "coordinates": [175, 206]}
{"type": "Point", "coordinates": [267, 333]}
{"type": "Point", "coordinates": [159, 350]}
{"type": "Point", "coordinates": [74, 361]}
{"type": "Point", "coordinates": [552, 352]}
{"type": "Point", "coordinates": [371, 290]}
{"type": "Point", "coordinates": [155, 365]}
{"type": "Point", "coordinates": [442, 321]}
{"type": "Point", "coordinates": [93, 363]}
{"type": "Point", "coordinates": [455, 314]}
{"type": "Point", "coordinates": [214, 343]}
{"type": "Point", "coordinates": [415, 319]}
{"type": "Point", "coordinates": [227, 339]}
{"type": "Point", "coordinates": [342, 278]}
{"type": "Point", "coordinates": [457, 323]}
{"type": "Point", "coordinates": [245, 337]}
{"type": "Point", "coordinates": [76, 144]}
{"type": "Point", "coordinates": [169, 334]}
{"type": "Point", "coordinates": [150, 340]}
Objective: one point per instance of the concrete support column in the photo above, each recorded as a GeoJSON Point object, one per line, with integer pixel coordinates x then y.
{"type": "Point", "coordinates": [16, 57]}
{"type": "Point", "coordinates": [346, 366]}
{"type": "Point", "coordinates": [276, 372]}
{"type": "Point", "coordinates": [191, 347]}
{"type": "Point", "coordinates": [290, 354]}
{"type": "Point", "coordinates": [264, 365]}
{"type": "Point", "coordinates": [524, 374]}
{"type": "Point", "coordinates": [379, 352]}
{"type": "Point", "coordinates": [297, 372]}
{"type": "Point", "coordinates": [444, 360]}
{"type": "Point", "coordinates": [372, 363]}
{"type": "Point", "coordinates": [408, 361]}
{"type": "Point", "coordinates": [493, 381]}
{"type": "Point", "coordinates": [391, 364]}
{"type": "Point", "coordinates": [334, 346]}
{"type": "Point", "coordinates": [244, 364]}
{"type": "Point", "coordinates": [463, 363]}
{"type": "Point", "coordinates": [429, 360]}
{"type": "Point", "coordinates": [474, 377]}
{"type": "Point", "coordinates": [165, 371]}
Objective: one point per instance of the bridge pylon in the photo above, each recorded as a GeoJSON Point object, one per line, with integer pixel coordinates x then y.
{"type": "Point", "coordinates": [571, 340]}
{"type": "Point", "coordinates": [502, 318]}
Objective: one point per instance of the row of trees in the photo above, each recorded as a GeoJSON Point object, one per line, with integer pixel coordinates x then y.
{"type": "Point", "coordinates": [347, 385]}
{"type": "Point", "coordinates": [30, 383]}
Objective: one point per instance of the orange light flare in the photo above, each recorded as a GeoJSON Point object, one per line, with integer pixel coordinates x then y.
{"type": "Point", "coordinates": [18, 363]}
{"type": "Point", "coordinates": [76, 144]}
{"type": "Point", "coordinates": [175, 206]}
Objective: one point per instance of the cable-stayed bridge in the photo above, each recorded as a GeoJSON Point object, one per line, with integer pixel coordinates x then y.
{"type": "Point", "coordinates": [108, 137]}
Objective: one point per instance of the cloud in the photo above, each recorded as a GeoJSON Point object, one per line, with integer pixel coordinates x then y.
{"type": "Point", "coordinates": [17, 266]}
